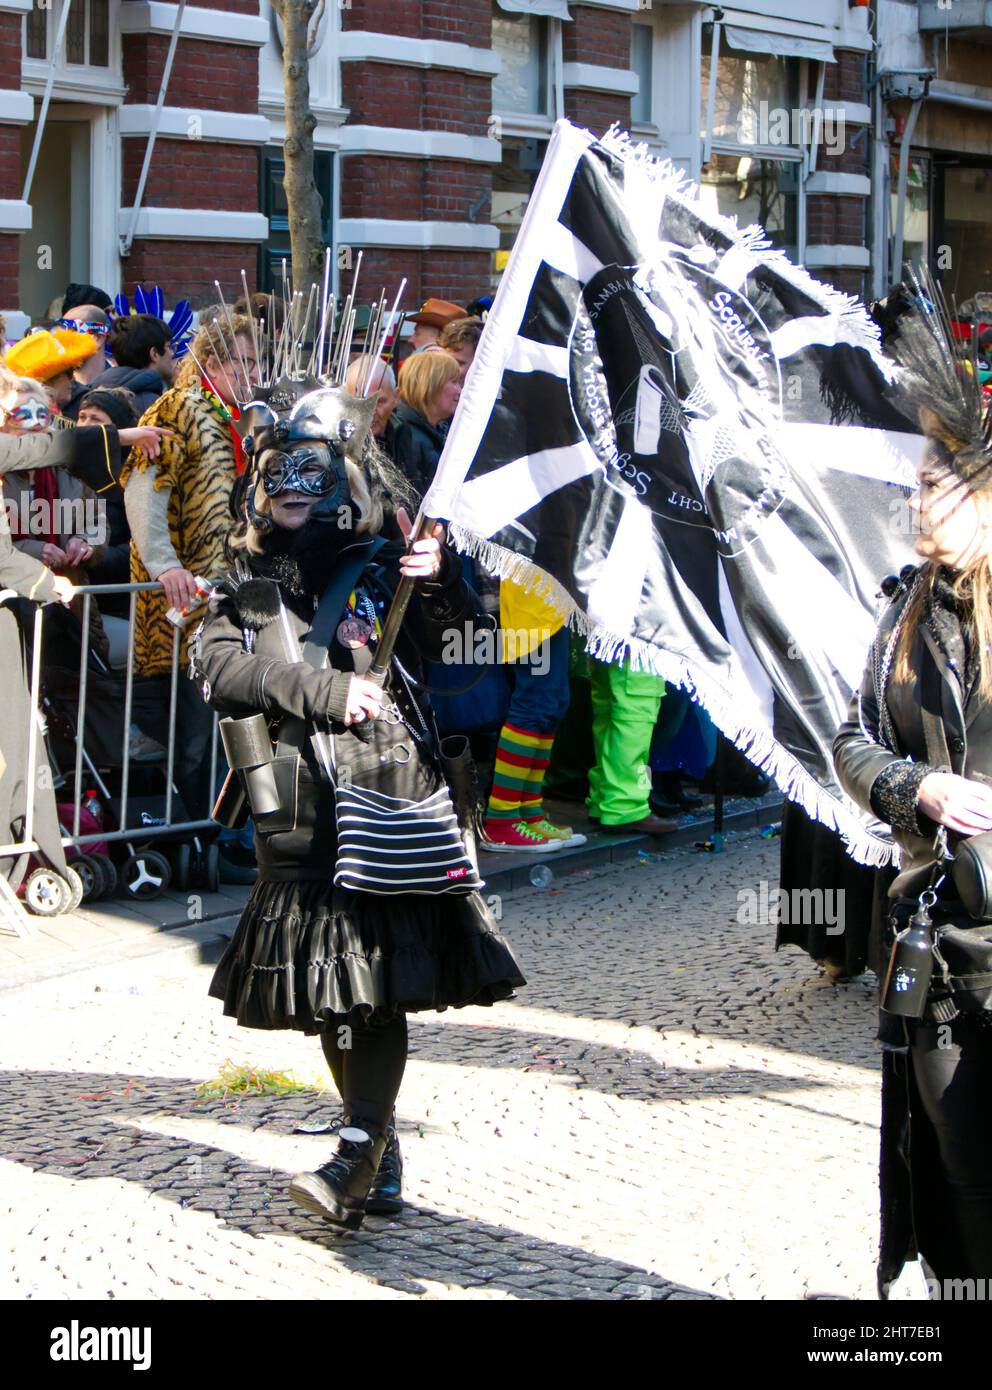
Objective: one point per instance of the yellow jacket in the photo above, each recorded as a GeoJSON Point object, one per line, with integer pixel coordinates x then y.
{"type": "Point", "coordinates": [526, 620]}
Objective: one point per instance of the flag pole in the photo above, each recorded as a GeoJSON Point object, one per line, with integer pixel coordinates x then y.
{"type": "Point", "coordinates": [422, 531]}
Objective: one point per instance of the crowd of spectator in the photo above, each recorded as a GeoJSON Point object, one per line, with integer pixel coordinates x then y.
{"type": "Point", "coordinates": [546, 710]}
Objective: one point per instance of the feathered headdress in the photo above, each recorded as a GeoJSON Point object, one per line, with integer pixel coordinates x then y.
{"type": "Point", "coordinates": [152, 302]}
{"type": "Point", "coordinates": [941, 383]}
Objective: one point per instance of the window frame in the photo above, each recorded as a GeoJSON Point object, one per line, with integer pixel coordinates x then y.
{"type": "Point", "coordinates": [645, 21]}
{"type": "Point", "coordinates": [784, 154]}
{"type": "Point", "coordinates": [536, 123]}
{"type": "Point", "coordinates": [75, 81]}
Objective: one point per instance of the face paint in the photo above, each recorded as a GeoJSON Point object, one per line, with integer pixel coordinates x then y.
{"type": "Point", "coordinates": [30, 416]}
{"type": "Point", "coordinates": [94, 328]}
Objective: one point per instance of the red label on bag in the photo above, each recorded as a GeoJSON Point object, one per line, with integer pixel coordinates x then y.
{"type": "Point", "coordinates": [457, 873]}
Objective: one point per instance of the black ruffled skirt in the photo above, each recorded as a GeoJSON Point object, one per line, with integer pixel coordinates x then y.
{"type": "Point", "coordinates": [307, 952]}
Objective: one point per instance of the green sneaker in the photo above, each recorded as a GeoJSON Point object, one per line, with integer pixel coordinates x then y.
{"type": "Point", "coordinates": [564, 834]}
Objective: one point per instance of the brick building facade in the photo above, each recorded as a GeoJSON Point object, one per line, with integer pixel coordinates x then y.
{"type": "Point", "coordinates": [431, 121]}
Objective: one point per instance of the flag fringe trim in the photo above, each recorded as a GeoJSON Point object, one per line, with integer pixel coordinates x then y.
{"type": "Point", "coordinates": [757, 745]}
{"type": "Point", "coordinates": [674, 183]}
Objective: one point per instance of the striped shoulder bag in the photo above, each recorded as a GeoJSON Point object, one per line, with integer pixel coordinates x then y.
{"type": "Point", "coordinates": [388, 844]}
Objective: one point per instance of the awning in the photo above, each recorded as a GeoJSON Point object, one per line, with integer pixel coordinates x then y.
{"type": "Point", "coordinates": [549, 9]}
{"type": "Point", "coordinates": [778, 45]}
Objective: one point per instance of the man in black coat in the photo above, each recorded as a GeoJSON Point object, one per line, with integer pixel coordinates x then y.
{"type": "Point", "coordinates": [141, 345]}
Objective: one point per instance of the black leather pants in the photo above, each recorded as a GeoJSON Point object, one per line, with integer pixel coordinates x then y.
{"type": "Point", "coordinates": [952, 1065]}
{"type": "Point", "coordinates": [367, 1061]}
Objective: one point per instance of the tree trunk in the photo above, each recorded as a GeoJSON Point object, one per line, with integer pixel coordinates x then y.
{"type": "Point", "coordinates": [302, 199]}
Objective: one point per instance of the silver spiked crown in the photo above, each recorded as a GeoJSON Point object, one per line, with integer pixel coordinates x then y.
{"type": "Point", "coordinates": [302, 349]}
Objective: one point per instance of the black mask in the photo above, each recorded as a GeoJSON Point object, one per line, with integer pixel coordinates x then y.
{"type": "Point", "coordinates": [310, 467]}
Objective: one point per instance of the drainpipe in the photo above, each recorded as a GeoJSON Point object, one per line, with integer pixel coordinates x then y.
{"type": "Point", "coordinates": [127, 241]}
{"type": "Point", "coordinates": [883, 88]}
{"type": "Point", "coordinates": [711, 95]}
{"type": "Point", "coordinates": [904, 148]}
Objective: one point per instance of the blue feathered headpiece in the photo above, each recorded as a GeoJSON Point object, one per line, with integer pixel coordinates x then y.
{"type": "Point", "coordinates": [152, 302]}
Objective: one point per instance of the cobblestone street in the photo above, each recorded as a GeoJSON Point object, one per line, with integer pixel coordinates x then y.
{"type": "Point", "coordinates": [670, 1109]}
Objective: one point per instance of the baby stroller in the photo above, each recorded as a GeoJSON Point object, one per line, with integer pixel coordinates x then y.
{"type": "Point", "coordinates": [141, 866]}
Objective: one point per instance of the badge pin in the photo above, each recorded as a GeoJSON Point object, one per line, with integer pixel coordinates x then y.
{"type": "Point", "coordinates": [353, 633]}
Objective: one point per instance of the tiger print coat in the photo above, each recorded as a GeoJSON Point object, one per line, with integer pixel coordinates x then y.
{"type": "Point", "coordinates": [198, 466]}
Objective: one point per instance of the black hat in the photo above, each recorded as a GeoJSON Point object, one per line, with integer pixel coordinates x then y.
{"type": "Point", "coordinates": [75, 295]}
{"type": "Point", "coordinates": [113, 401]}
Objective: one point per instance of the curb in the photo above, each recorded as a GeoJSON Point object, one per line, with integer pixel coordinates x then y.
{"type": "Point", "coordinates": [615, 848]}
{"type": "Point", "coordinates": [172, 945]}
{"type": "Point", "coordinates": [191, 942]}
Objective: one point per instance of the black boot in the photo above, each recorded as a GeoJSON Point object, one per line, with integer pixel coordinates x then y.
{"type": "Point", "coordinates": [338, 1189]}
{"type": "Point", "coordinates": [386, 1194]}
{"type": "Point", "coordinates": [463, 783]}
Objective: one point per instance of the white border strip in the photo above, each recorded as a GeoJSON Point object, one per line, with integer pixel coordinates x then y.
{"type": "Point", "coordinates": [594, 77]}
{"type": "Point", "coordinates": [195, 224]}
{"type": "Point", "coordinates": [359, 45]}
{"type": "Point", "coordinates": [220, 26]}
{"type": "Point", "coordinates": [15, 215]}
{"type": "Point", "coordinates": [847, 257]}
{"type": "Point", "coordinates": [16, 108]}
{"type": "Point", "coordinates": [417, 144]}
{"type": "Point", "coordinates": [424, 236]}
{"type": "Point", "coordinates": [849, 185]}
{"type": "Point", "coordinates": [184, 123]}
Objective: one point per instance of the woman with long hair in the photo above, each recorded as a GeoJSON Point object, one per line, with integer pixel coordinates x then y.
{"type": "Point", "coordinates": [916, 751]}
{"type": "Point", "coordinates": [310, 953]}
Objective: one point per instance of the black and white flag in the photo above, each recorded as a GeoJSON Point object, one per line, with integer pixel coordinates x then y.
{"type": "Point", "coordinates": [687, 441]}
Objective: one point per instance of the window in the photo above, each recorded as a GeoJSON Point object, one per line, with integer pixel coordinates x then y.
{"type": "Point", "coordinates": [964, 256]}
{"type": "Point", "coordinates": [272, 200]}
{"type": "Point", "coordinates": [642, 62]}
{"type": "Point", "coordinates": [759, 133]}
{"type": "Point", "coordinates": [756, 190]}
{"type": "Point", "coordinates": [521, 87]}
{"type": "Point", "coordinates": [36, 34]}
{"type": "Point", "coordinates": [753, 93]}
{"type": "Point", "coordinates": [99, 33]}
{"type": "Point", "coordinates": [87, 33]}
{"type": "Point", "coordinates": [513, 183]}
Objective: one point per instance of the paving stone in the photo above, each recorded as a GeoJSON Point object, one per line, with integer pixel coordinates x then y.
{"type": "Point", "coordinates": [670, 1110]}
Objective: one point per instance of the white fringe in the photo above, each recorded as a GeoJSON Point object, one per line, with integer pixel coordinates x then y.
{"type": "Point", "coordinates": [757, 745]}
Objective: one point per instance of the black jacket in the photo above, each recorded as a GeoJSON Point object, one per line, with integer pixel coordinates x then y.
{"type": "Point", "coordinates": [881, 767]}
{"type": "Point", "coordinates": [146, 384]}
{"type": "Point", "coordinates": [416, 445]}
{"type": "Point", "coordinates": [239, 682]}
{"type": "Point", "coordinates": [882, 771]}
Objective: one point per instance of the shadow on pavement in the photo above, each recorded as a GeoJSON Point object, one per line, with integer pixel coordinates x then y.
{"type": "Point", "coordinates": [69, 1124]}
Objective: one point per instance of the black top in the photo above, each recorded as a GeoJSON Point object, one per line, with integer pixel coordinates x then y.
{"type": "Point", "coordinates": [417, 446]}
{"type": "Point", "coordinates": [241, 682]}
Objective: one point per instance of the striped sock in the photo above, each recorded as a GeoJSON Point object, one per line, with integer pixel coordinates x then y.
{"type": "Point", "coordinates": [518, 778]}
{"type": "Point", "coordinates": [532, 804]}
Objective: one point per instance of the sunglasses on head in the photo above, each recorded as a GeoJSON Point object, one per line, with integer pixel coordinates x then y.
{"type": "Point", "coordinates": [96, 330]}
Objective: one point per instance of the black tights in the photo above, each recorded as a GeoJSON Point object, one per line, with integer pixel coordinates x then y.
{"type": "Point", "coordinates": [367, 1061]}
{"type": "Point", "coordinates": [953, 1083]}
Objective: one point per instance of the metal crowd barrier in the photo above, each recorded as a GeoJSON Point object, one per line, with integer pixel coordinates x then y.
{"type": "Point", "coordinates": [74, 838]}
